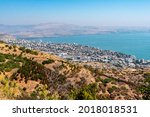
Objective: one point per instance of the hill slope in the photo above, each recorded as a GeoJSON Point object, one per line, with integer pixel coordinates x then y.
{"type": "Point", "coordinates": [30, 74]}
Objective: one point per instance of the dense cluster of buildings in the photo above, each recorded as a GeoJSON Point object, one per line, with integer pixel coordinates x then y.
{"type": "Point", "coordinates": [81, 53]}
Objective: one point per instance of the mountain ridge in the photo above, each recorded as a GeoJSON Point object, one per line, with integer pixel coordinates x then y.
{"type": "Point", "coordinates": [62, 29]}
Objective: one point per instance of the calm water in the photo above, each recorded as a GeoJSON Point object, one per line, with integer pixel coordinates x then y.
{"type": "Point", "coordinates": [137, 44]}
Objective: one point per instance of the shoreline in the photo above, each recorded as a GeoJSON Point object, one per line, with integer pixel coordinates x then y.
{"type": "Point", "coordinates": [123, 43]}
{"type": "Point", "coordinates": [79, 53]}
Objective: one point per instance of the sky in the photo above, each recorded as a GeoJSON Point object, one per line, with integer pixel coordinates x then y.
{"type": "Point", "coordinates": [81, 12]}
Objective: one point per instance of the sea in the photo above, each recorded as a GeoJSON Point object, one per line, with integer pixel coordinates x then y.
{"type": "Point", "coordinates": [137, 44]}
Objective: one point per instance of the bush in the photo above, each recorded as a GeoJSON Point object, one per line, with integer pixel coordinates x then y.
{"type": "Point", "coordinates": [61, 79]}
{"type": "Point", "coordinates": [107, 80]}
{"type": "Point", "coordinates": [9, 56]}
{"type": "Point", "coordinates": [99, 79]}
{"type": "Point", "coordinates": [28, 51]}
{"type": "Point", "coordinates": [8, 88]}
{"type": "Point", "coordinates": [34, 52]}
{"type": "Point", "coordinates": [112, 89]}
{"type": "Point", "coordinates": [31, 70]}
{"type": "Point", "coordinates": [8, 66]}
{"type": "Point", "coordinates": [146, 92]}
{"type": "Point", "coordinates": [12, 62]}
{"type": "Point", "coordinates": [145, 89]}
{"type": "Point", "coordinates": [31, 52]}
{"type": "Point", "coordinates": [87, 92]}
{"type": "Point", "coordinates": [2, 58]}
{"type": "Point", "coordinates": [49, 61]}
{"type": "Point", "coordinates": [22, 49]}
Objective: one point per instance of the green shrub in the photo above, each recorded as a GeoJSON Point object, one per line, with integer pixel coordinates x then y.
{"type": "Point", "coordinates": [8, 88]}
{"type": "Point", "coordinates": [146, 92]}
{"type": "Point", "coordinates": [107, 80]}
{"type": "Point", "coordinates": [145, 89]}
{"type": "Point", "coordinates": [34, 52]}
{"type": "Point", "coordinates": [87, 92]}
{"type": "Point", "coordinates": [31, 70]}
{"type": "Point", "coordinates": [61, 79]}
{"type": "Point", "coordinates": [11, 65]}
{"type": "Point", "coordinates": [49, 61]}
{"type": "Point", "coordinates": [2, 58]}
{"type": "Point", "coordinates": [28, 51]}
{"type": "Point", "coordinates": [112, 89]}
{"type": "Point", "coordinates": [31, 52]}
{"type": "Point", "coordinates": [22, 49]}
{"type": "Point", "coordinates": [99, 79]}
{"type": "Point", "coordinates": [9, 56]}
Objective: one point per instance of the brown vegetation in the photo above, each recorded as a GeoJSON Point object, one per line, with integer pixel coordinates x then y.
{"type": "Point", "coordinates": [30, 74]}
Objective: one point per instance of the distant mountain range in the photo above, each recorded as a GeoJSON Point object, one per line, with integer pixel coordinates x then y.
{"type": "Point", "coordinates": [60, 29]}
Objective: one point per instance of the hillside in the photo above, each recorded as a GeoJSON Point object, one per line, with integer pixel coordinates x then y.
{"type": "Point", "coordinates": [31, 74]}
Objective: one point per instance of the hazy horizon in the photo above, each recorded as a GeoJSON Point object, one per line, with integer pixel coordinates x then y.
{"type": "Point", "coordinates": [98, 26]}
{"type": "Point", "coordinates": [78, 12]}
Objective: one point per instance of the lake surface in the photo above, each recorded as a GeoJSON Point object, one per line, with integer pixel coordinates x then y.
{"type": "Point", "coordinates": [137, 44]}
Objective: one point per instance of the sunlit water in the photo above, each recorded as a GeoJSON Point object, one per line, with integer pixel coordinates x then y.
{"type": "Point", "coordinates": [137, 44]}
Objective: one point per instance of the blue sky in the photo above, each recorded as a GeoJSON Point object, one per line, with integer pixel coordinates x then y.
{"type": "Point", "coordinates": [81, 12]}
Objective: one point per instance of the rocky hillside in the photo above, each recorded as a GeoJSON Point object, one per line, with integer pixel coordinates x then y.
{"type": "Point", "coordinates": [30, 74]}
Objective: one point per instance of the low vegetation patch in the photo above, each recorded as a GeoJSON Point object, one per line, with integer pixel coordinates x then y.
{"type": "Point", "coordinates": [2, 58]}
{"type": "Point", "coordinates": [145, 89]}
{"type": "Point", "coordinates": [12, 62]}
{"type": "Point", "coordinates": [28, 51]}
{"type": "Point", "coordinates": [31, 70]}
{"type": "Point", "coordinates": [49, 61]}
{"type": "Point", "coordinates": [87, 92]}
{"type": "Point", "coordinates": [112, 89]}
{"type": "Point", "coordinates": [8, 66]}
{"type": "Point", "coordinates": [8, 88]}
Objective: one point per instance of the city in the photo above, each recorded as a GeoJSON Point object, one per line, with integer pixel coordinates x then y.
{"type": "Point", "coordinates": [76, 52]}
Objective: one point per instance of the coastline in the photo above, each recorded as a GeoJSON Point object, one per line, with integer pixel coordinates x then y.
{"type": "Point", "coordinates": [80, 53]}
{"type": "Point", "coordinates": [131, 44]}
